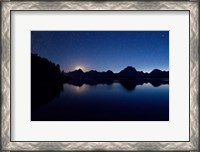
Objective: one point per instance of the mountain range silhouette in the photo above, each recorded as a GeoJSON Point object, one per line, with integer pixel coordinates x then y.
{"type": "Point", "coordinates": [128, 72]}
{"type": "Point", "coordinates": [47, 79]}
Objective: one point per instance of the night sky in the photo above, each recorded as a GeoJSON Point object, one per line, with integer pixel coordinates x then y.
{"type": "Point", "coordinates": [103, 50]}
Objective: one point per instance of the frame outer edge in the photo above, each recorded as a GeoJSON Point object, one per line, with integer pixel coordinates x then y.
{"type": "Point", "coordinates": [5, 76]}
{"type": "Point", "coordinates": [194, 75]}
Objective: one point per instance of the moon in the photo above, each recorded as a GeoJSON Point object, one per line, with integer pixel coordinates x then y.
{"type": "Point", "coordinates": [80, 67]}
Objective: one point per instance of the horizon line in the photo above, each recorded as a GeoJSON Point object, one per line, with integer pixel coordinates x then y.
{"type": "Point", "coordinates": [115, 72]}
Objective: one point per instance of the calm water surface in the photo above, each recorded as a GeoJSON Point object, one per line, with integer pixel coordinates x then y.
{"type": "Point", "coordinates": [102, 102]}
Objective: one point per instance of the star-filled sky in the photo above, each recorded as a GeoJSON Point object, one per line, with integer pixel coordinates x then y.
{"type": "Point", "coordinates": [103, 50]}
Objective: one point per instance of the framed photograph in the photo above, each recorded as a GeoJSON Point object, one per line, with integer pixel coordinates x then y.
{"type": "Point", "coordinates": [110, 75]}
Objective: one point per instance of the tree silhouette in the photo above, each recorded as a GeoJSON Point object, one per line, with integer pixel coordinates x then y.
{"type": "Point", "coordinates": [46, 80]}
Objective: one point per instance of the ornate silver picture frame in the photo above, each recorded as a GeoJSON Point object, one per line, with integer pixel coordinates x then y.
{"type": "Point", "coordinates": [7, 7]}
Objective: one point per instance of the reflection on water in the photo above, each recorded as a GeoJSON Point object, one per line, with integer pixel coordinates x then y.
{"type": "Point", "coordinates": [77, 89]}
{"type": "Point", "coordinates": [116, 101]}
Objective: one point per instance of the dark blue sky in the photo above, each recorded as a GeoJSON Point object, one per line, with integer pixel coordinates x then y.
{"type": "Point", "coordinates": [103, 50]}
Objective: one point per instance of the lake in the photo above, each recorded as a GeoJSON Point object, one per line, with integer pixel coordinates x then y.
{"type": "Point", "coordinates": [106, 102]}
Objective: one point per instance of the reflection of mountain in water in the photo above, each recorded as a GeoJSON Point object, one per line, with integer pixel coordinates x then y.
{"type": "Point", "coordinates": [47, 79]}
{"type": "Point", "coordinates": [128, 84]}
{"type": "Point", "coordinates": [129, 77]}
